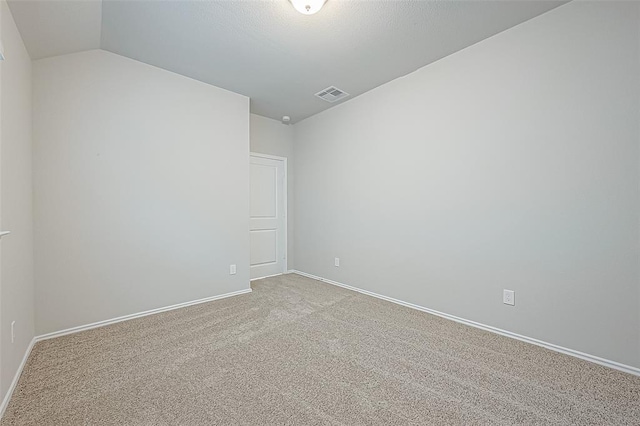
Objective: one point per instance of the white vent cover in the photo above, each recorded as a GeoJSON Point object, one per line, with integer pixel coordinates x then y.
{"type": "Point", "coordinates": [332, 94]}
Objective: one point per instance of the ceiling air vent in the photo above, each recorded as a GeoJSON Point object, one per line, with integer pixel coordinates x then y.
{"type": "Point", "coordinates": [332, 94]}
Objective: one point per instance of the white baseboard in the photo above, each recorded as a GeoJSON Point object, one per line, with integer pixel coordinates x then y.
{"type": "Point", "coordinates": [16, 377]}
{"type": "Point", "coordinates": [136, 315]}
{"type": "Point", "coordinates": [587, 357]}
{"type": "Point", "coordinates": [268, 276]}
{"type": "Point", "coordinates": [288, 271]}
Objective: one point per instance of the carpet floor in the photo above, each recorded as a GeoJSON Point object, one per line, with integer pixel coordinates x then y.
{"type": "Point", "coordinates": [301, 352]}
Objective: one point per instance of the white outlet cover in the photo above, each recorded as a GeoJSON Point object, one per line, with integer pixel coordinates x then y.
{"type": "Point", "coordinates": [509, 297]}
{"type": "Point", "coordinates": [337, 261]}
{"type": "Point", "coordinates": [232, 269]}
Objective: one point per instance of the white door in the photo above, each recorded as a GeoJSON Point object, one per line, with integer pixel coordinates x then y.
{"type": "Point", "coordinates": [268, 220]}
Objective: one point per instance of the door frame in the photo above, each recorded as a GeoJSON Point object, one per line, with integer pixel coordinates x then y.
{"type": "Point", "coordinates": [286, 206]}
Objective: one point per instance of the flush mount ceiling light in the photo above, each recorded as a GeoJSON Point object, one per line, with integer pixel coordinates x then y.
{"type": "Point", "coordinates": [308, 7]}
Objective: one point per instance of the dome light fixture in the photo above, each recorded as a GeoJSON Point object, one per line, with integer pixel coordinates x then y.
{"type": "Point", "coordinates": [308, 7]}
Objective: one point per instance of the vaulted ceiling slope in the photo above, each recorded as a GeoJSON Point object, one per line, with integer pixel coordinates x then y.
{"type": "Point", "coordinates": [265, 49]}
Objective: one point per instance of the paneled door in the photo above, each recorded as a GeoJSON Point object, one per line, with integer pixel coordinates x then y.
{"type": "Point", "coordinates": [268, 215]}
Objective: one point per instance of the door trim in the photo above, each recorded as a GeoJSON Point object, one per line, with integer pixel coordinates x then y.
{"type": "Point", "coordinates": [286, 203]}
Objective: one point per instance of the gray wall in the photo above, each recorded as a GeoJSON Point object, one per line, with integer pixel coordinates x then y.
{"type": "Point", "coordinates": [510, 164]}
{"type": "Point", "coordinates": [140, 189]}
{"type": "Point", "coordinates": [274, 138]}
{"type": "Point", "coordinates": [16, 211]}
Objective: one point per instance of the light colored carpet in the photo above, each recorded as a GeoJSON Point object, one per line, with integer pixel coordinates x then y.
{"type": "Point", "coordinates": [297, 351]}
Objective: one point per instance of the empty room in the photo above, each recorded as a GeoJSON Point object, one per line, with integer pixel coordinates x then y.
{"type": "Point", "coordinates": [319, 212]}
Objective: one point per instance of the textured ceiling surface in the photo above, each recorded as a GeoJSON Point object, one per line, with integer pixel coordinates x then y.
{"type": "Point", "coordinates": [265, 49]}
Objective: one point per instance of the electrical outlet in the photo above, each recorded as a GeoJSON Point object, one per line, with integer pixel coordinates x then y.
{"type": "Point", "coordinates": [509, 297]}
{"type": "Point", "coordinates": [232, 269]}
{"type": "Point", "coordinates": [336, 262]}
{"type": "Point", "coordinates": [13, 334]}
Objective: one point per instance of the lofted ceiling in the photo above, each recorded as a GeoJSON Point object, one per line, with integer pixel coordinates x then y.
{"type": "Point", "coordinates": [266, 50]}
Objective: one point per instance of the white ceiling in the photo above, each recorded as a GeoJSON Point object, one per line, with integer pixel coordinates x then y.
{"type": "Point", "coordinates": [265, 49]}
{"type": "Point", "coordinates": [51, 28]}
